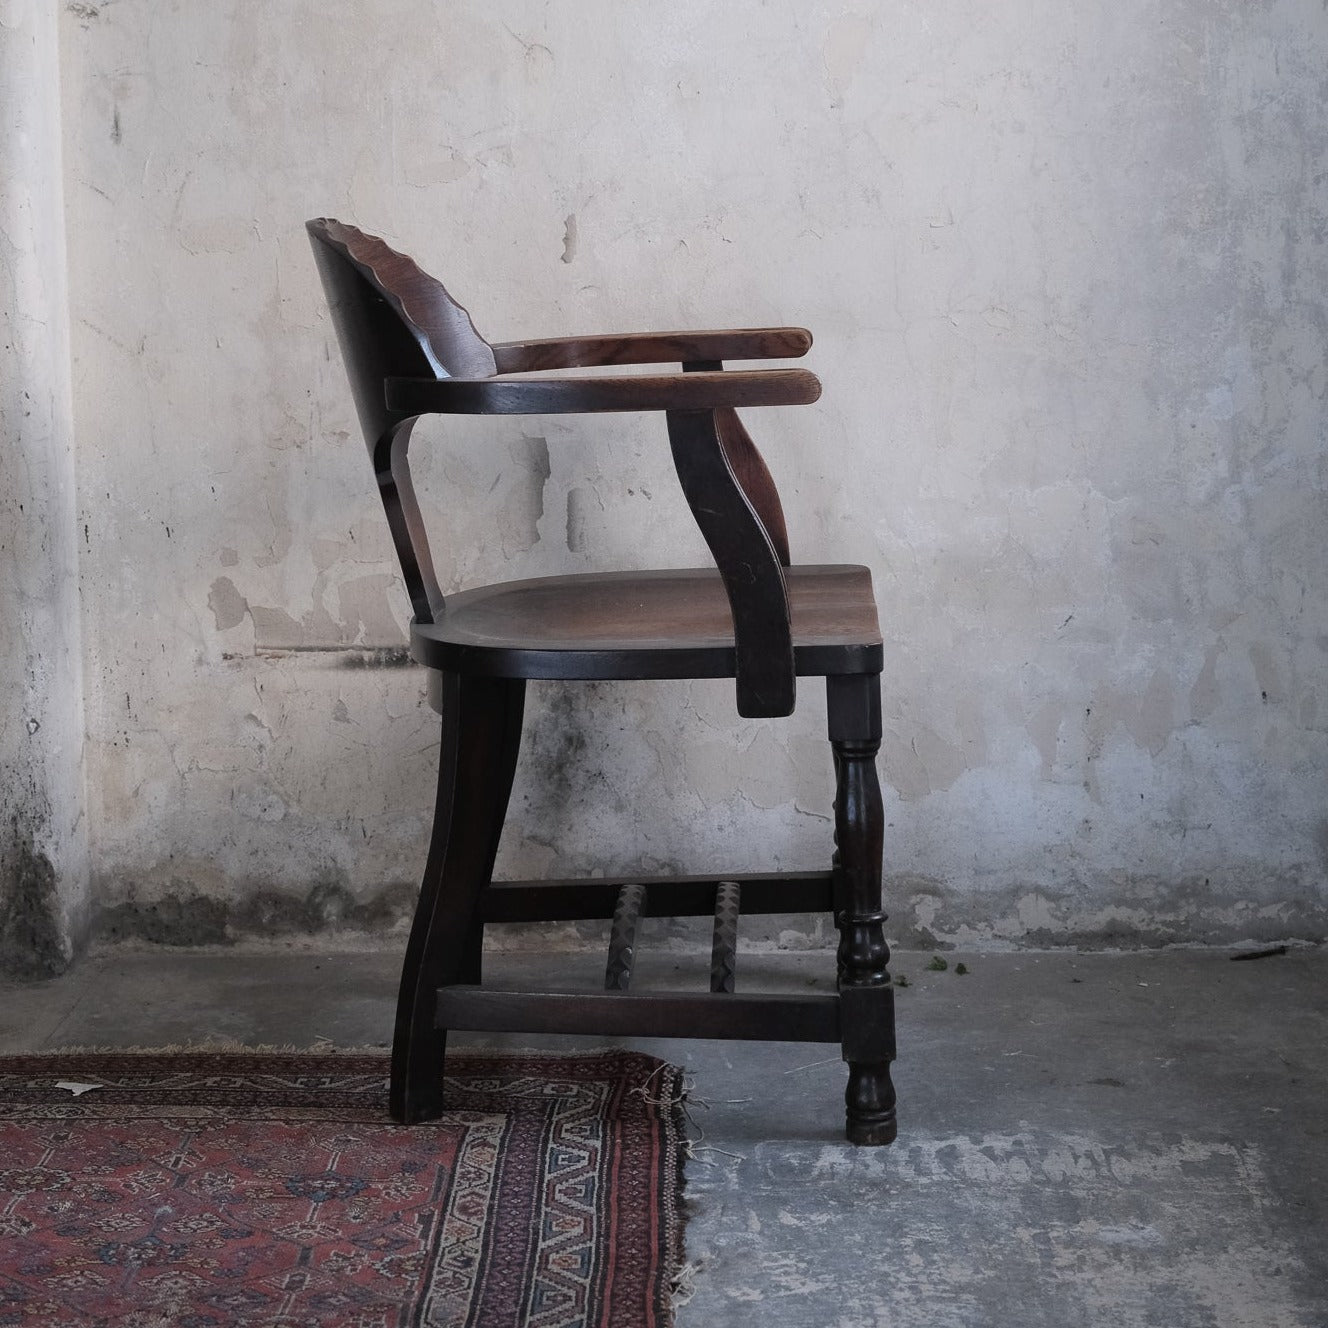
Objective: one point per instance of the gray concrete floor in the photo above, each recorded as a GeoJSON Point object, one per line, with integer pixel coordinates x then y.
{"type": "Point", "coordinates": [1085, 1139]}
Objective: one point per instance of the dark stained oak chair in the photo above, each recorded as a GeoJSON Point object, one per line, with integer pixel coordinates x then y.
{"type": "Point", "coordinates": [756, 617]}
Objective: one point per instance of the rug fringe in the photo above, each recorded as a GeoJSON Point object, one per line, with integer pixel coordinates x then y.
{"type": "Point", "coordinates": [322, 1047]}
{"type": "Point", "coordinates": [226, 1046]}
{"type": "Point", "coordinates": [682, 1286]}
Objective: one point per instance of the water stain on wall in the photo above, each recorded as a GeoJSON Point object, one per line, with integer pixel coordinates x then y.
{"type": "Point", "coordinates": [182, 916]}
{"type": "Point", "coordinates": [582, 506]}
{"type": "Point", "coordinates": [524, 504]}
{"type": "Point", "coordinates": [227, 604]}
{"type": "Point", "coordinates": [32, 936]}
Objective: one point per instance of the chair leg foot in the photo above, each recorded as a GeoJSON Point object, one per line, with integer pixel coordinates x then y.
{"type": "Point", "coordinates": [870, 1118]}
{"type": "Point", "coordinates": [417, 1080]}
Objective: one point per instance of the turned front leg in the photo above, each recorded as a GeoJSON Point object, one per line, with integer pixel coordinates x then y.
{"type": "Point", "coordinates": [866, 994]}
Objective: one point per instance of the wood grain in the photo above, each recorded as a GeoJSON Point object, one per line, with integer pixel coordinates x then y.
{"type": "Point", "coordinates": [766, 343]}
{"type": "Point", "coordinates": [653, 624]}
{"type": "Point", "coordinates": [444, 329]}
{"type": "Point", "coordinates": [749, 469]}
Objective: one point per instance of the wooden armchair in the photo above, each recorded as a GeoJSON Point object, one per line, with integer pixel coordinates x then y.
{"type": "Point", "coordinates": [755, 617]}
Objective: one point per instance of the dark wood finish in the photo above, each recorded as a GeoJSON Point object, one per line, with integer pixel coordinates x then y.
{"type": "Point", "coordinates": [622, 937]}
{"type": "Point", "coordinates": [642, 1014]}
{"type": "Point", "coordinates": [443, 329]}
{"type": "Point", "coordinates": [724, 944]}
{"type": "Point", "coordinates": [749, 469]}
{"type": "Point", "coordinates": [411, 349]}
{"type": "Point", "coordinates": [481, 724]}
{"type": "Point", "coordinates": [751, 343]}
{"type": "Point", "coordinates": [676, 624]}
{"type": "Point", "coordinates": [511, 699]}
{"type": "Point", "coordinates": [748, 564]}
{"type": "Point", "coordinates": [378, 340]}
{"type": "Point", "coordinates": [839, 892]}
{"type": "Point", "coordinates": [588, 396]}
{"type": "Point", "coordinates": [666, 897]}
{"type": "Point", "coordinates": [854, 717]}
{"type": "Point", "coordinates": [868, 1040]}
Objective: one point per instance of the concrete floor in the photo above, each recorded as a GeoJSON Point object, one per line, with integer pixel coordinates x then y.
{"type": "Point", "coordinates": [1128, 1140]}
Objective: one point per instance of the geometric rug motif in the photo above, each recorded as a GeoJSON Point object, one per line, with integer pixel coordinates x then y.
{"type": "Point", "coordinates": [205, 1189]}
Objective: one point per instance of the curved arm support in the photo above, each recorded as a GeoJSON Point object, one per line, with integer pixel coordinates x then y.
{"type": "Point", "coordinates": [748, 343]}
{"type": "Point", "coordinates": [747, 560]}
{"type": "Point", "coordinates": [556, 396]}
{"type": "Point", "coordinates": [749, 468]}
{"type": "Point", "coordinates": [392, 470]}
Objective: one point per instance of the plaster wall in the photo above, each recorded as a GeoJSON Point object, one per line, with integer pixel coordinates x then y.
{"type": "Point", "coordinates": [44, 881]}
{"type": "Point", "coordinates": [1065, 266]}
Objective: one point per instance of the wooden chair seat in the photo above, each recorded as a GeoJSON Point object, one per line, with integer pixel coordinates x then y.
{"type": "Point", "coordinates": [755, 617]}
{"type": "Point", "coordinates": [649, 624]}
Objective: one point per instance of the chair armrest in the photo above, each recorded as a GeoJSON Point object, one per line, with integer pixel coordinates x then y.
{"type": "Point", "coordinates": [556, 396]}
{"type": "Point", "coordinates": [768, 343]}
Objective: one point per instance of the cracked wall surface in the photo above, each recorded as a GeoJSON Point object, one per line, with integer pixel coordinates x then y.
{"type": "Point", "coordinates": [1065, 268]}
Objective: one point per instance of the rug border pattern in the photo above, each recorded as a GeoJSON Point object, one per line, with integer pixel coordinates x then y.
{"type": "Point", "coordinates": [597, 1219]}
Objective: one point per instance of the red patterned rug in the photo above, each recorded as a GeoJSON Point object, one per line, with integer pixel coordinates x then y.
{"type": "Point", "coordinates": [210, 1190]}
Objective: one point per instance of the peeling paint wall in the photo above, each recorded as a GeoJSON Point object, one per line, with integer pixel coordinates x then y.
{"type": "Point", "coordinates": [44, 883]}
{"type": "Point", "coordinates": [1065, 267]}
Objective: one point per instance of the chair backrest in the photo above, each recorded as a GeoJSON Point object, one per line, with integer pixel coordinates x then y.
{"type": "Point", "coordinates": [394, 320]}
